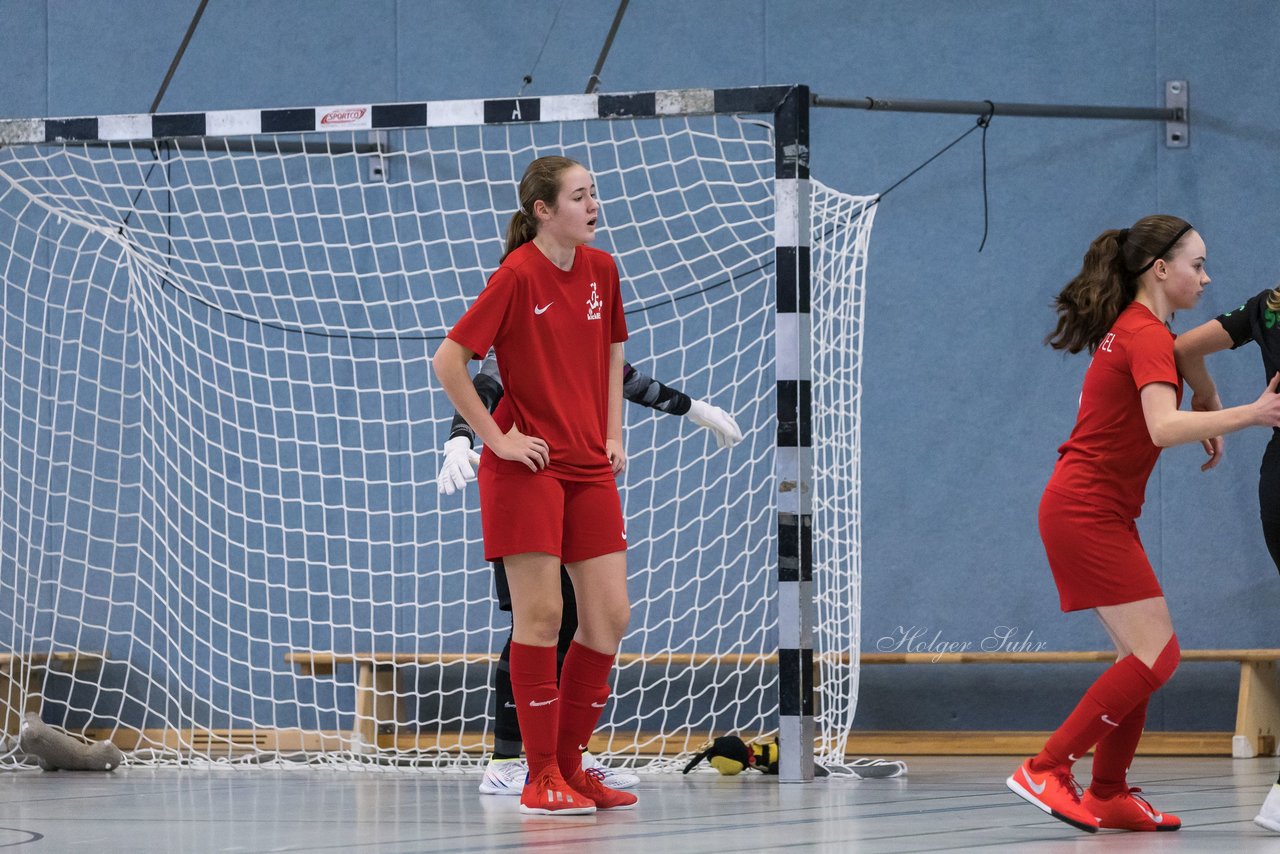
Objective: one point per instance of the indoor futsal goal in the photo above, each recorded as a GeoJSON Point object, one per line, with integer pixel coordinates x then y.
{"type": "Point", "coordinates": [220, 534]}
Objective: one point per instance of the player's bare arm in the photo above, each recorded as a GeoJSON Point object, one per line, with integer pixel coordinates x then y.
{"type": "Point", "coordinates": [450, 365]}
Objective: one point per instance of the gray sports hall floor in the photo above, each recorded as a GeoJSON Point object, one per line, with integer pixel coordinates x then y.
{"type": "Point", "coordinates": [944, 804]}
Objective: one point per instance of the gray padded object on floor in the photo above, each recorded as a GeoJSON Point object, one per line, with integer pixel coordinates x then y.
{"type": "Point", "coordinates": [56, 750]}
{"type": "Point", "coordinates": [872, 769]}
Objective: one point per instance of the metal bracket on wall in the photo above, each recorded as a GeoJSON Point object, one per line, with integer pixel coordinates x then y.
{"type": "Point", "coordinates": [1177, 133]}
{"type": "Point", "coordinates": [377, 159]}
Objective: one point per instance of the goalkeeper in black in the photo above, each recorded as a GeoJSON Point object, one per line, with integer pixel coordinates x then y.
{"type": "Point", "coordinates": [505, 774]}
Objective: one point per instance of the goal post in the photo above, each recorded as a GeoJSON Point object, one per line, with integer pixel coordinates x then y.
{"type": "Point", "coordinates": [794, 477]}
{"type": "Point", "coordinates": [219, 528]}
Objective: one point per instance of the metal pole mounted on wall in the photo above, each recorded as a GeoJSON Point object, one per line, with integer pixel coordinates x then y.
{"type": "Point", "coordinates": [1175, 113]}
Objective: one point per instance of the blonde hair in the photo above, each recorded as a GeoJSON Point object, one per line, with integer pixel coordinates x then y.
{"type": "Point", "coordinates": [1273, 299]}
{"type": "Point", "coordinates": [540, 183]}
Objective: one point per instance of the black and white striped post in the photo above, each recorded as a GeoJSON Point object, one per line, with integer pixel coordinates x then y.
{"type": "Point", "coordinates": [794, 474]}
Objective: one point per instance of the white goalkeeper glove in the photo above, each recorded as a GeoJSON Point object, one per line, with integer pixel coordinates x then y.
{"type": "Point", "coordinates": [719, 422]}
{"type": "Point", "coordinates": [459, 465]}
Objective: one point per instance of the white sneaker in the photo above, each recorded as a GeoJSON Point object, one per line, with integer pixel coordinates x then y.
{"type": "Point", "coordinates": [1269, 815]}
{"type": "Point", "coordinates": [613, 778]}
{"type": "Point", "coordinates": [504, 777]}
{"type": "Point", "coordinates": [875, 769]}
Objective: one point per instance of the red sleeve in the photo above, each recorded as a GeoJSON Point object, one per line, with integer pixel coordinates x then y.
{"type": "Point", "coordinates": [1151, 357]}
{"type": "Point", "coordinates": [618, 317]}
{"type": "Point", "coordinates": [479, 326]}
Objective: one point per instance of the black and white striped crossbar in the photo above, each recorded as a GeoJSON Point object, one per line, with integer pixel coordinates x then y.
{"type": "Point", "coordinates": [220, 123]}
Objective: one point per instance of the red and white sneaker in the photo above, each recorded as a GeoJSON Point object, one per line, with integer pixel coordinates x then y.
{"type": "Point", "coordinates": [591, 784]}
{"type": "Point", "coordinates": [1054, 791]}
{"type": "Point", "coordinates": [1128, 811]}
{"type": "Point", "coordinates": [549, 794]}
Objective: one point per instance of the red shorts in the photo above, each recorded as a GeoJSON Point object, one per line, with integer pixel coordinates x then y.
{"type": "Point", "coordinates": [1094, 553]}
{"type": "Point", "coordinates": [525, 512]}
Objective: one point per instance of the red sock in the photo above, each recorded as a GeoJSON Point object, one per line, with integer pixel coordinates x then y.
{"type": "Point", "coordinates": [1112, 756]}
{"type": "Point", "coordinates": [533, 685]}
{"type": "Point", "coordinates": [584, 690]}
{"type": "Point", "coordinates": [1109, 700]}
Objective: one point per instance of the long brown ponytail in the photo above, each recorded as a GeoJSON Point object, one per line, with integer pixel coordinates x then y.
{"type": "Point", "coordinates": [540, 183]}
{"type": "Point", "coordinates": [1108, 280]}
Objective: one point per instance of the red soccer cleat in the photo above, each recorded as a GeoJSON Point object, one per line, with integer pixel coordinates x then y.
{"type": "Point", "coordinates": [590, 784]}
{"type": "Point", "coordinates": [1055, 792]}
{"type": "Point", "coordinates": [549, 794]}
{"type": "Point", "coordinates": [1127, 811]}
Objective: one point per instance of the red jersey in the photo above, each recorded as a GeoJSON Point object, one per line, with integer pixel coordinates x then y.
{"type": "Point", "coordinates": [1110, 454]}
{"type": "Point", "coordinates": [551, 330]}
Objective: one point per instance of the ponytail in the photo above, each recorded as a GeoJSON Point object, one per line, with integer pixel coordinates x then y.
{"type": "Point", "coordinates": [540, 183]}
{"type": "Point", "coordinates": [520, 231]}
{"type": "Point", "coordinates": [1091, 302]}
{"type": "Point", "coordinates": [1108, 280]}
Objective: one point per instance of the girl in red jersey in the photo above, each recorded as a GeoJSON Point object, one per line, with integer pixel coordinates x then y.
{"type": "Point", "coordinates": [1117, 307]}
{"type": "Point", "coordinates": [1258, 320]}
{"type": "Point", "coordinates": [553, 315]}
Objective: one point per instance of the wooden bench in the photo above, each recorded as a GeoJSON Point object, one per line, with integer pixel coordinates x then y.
{"type": "Point", "coordinates": [22, 678]}
{"type": "Point", "coordinates": [379, 688]}
{"type": "Point", "coordinates": [1257, 705]}
{"type": "Point", "coordinates": [378, 684]}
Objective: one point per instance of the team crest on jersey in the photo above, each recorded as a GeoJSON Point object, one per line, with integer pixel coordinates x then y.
{"type": "Point", "coordinates": [594, 304]}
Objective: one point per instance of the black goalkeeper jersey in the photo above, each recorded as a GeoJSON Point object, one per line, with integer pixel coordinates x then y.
{"type": "Point", "coordinates": [1253, 321]}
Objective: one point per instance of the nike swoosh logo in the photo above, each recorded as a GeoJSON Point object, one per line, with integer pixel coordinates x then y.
{"type": "Point", "coordinates": [582, 747]}
{"type": "Point", "coordinates": [1039, 790]}
{"type": "Point", "coordinates": [509, 706]}
{"type": "Point", "coordinates": [1106, 720]}
{"type": "Point", "coordinates": [543, 703]}
{"type": "Point", "coordinates": [1158, 819]}
{"type": "Point", "coordinates": [1073, 757]}
{"type": "Point", "coordinates": [539, 309]}
{"type": "Point", "coordinates": [596, 706]}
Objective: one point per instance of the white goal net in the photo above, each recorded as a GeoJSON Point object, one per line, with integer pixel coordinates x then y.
{"type": "Point", "coordinates": [220, 534]}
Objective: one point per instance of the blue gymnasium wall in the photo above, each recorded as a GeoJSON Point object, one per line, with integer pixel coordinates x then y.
{"type": "Point", "coordinates": [963, 407]}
